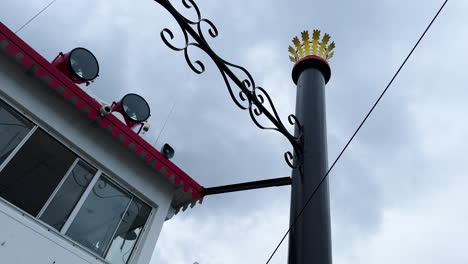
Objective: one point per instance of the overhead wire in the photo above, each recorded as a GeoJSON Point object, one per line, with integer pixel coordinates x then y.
{"type": "Point", "coordinates": [34, 17]}
{"type": "Point", "coordinates": [356, 131]}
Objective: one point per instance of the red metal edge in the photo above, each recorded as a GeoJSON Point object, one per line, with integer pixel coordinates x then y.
{"type": "Point", "coordinates": [314, 61]}
{"type": "Point", "coordinates": [30, 57]}
{"type": "Point", "coordinates": [311, 57]}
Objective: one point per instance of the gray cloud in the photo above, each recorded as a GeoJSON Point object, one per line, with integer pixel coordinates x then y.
{"type": "Point", "coordinates": [397, 194]}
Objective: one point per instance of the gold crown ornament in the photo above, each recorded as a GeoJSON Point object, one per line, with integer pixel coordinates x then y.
{"type": "Point", "coordinates": [313, 46]}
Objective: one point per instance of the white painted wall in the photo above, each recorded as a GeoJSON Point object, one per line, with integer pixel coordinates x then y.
{"type": "Point", "coordinates": [23, 240]}
{"type": "Point", "coordinates": [51, 112]}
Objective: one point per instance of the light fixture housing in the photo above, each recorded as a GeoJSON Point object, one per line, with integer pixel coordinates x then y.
{"type": "Point", "coordinates": [133, 108]}
{"type": "Point", "coordinates": [79, 65]}
{"type": "Point", "coordinates": [168, 151]}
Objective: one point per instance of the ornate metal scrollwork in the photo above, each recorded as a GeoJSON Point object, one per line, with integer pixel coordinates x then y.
{"type": "Point", "coordinates": [249, 97]}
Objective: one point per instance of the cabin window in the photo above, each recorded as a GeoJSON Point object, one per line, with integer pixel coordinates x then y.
{"type": "Point", "coordinates": [75, 183]}
{"type": "Point", "coordinates": [110, 221]}
{"type": "Point", "coordinates": [31, 176]}
{"type": "Point", "coordinates": [99, 216]}
{"type": "Point", "coordinates": [128, 232]}
{"type": "Point", "coordinates": [13, 129]}
{"type": "Point", "coordinates": [48, 181]}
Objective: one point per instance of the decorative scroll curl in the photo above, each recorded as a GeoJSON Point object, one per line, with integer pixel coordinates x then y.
{"type": "Point", "coordinates": [245, 94]}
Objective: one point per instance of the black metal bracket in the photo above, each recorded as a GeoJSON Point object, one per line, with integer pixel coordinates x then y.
{"type": "Point", "coordinates": [247, 186]}
{"type": "Point", "coordinates": [248, 96]}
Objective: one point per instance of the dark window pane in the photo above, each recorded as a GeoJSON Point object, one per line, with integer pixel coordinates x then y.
{"type": "Point", "coordinates": [34, 172]}
{"type": "Point", "coordinates": [68, 195]}
{"type": "Point", "coordinates": [128, 232]}
{"type": "Point", "coordinates": [99, 216]}
{"type": "Point", "coordinates": [13, 128]}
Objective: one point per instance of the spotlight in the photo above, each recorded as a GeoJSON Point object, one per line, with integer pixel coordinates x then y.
{"type": "Point", "coordinates": [134, 108]}
{"type": "Point", "coordinates": [79, 65]}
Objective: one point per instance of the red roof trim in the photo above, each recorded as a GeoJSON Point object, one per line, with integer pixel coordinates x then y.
{"type": "Point", "coordinates": [88, 104]}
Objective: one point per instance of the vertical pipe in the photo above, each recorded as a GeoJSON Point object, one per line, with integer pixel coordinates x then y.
{"type": "Point", "coordinates": [310, 238]}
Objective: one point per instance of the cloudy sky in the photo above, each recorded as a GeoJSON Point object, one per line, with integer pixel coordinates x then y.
{"type": "Point", "coordinates": [399, 194]}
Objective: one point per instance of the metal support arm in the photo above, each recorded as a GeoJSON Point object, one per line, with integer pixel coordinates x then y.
{"type": "Point", "coordinates": [247, 186]}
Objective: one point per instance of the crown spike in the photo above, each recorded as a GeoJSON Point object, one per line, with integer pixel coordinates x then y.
{"type": "Point", "coordinates": [293, 53]}
{"type": "Point", "coordinates": [299, 49]}
{"type": "Point", "coordinates": [311, 46]}
{"type": "Point", "coordinates": [305, 41]}
{"type": "Point", "coordinates": [315, 41]}
{"type": "Point", "coordinates": [328, 53]}
{"type": "Point", "coordinates": [323, 45]}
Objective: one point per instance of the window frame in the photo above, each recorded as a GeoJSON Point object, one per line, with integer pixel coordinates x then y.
{"type": "Point", "coordinates": [109, 244]}
{"type": "Point", "coordinates": [19, 146]}
{"type": "Point", "coordinates": [101, 171]}
{"type": "Point", "coordinates": [80, 203]}
{"type": "Point", "coordinates": [52, 195]}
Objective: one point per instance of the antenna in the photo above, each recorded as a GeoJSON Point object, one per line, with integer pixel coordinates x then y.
{"type": "Point", "coordinates": [164, 125]}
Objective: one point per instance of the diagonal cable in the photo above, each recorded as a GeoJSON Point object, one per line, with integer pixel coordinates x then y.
{"type": "Point", "coordinates": [357, 130]}
{"type": "Point", "coordinates": [36, 15]}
